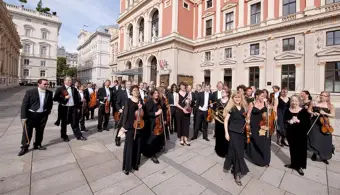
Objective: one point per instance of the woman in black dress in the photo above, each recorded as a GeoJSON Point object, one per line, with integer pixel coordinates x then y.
{"type": "Point", "coordinates": [297, 124]}
{"type": "Point", "coordinates": [321, 143]}
{"type": "Point", "coordinates": [154, 139]}
{"type": "Point", "coordinates": [281, 106]}
{"type": "Point", "coordinates": [132, 146]}
{"type": "Point", "coordinates": [258, 150]}
{"type": "Point", "coordinates": [183, 114]}
{"type": "Point", "coordinates": [172, 98]}
{"type": "Point", "coordinates": [233, 124]}
{"type": "Point", "coordinates": [306, 99]}
{"type": "Point", "coordinates": [221, 144]}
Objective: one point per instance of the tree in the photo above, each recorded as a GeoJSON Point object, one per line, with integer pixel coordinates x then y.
{"type": "Point", "coordinates": [23, 1]}
{"type": "Point", "coordinates": [72, 72]}
{"type": "Point", "coordinates": [42, 9]}
{"type": "Point", "coordinates": [61, 67]}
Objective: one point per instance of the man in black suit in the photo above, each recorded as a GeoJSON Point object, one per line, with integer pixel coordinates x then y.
{"type": "Point", "coordinates": [115, 88]}
{"type": "Point", "coordinates": [218, 93]}
{"type": "Point", "coordinates": [36, 106]}
{"type": "Point", "coordinates": [203, 102]}
{"type": "Point", "coordinates": [70, 105]}
{"type": "Point", "coordinates": [104, 95]}
{"type": "Point", "coordinates": [87, 93]}
{"type": "Point", "coordinates": [194, 100]}
{"type": "Point", "coordinates": [123, 96]}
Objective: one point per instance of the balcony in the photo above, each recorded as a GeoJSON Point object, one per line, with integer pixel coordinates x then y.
{"type": "Point", "coordinates": [332, 7]}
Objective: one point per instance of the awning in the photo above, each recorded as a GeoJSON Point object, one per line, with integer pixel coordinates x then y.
{"type": "Point", "coordinates": [134, 71]}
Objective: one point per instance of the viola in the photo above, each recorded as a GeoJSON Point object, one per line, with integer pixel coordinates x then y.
{"type": "Point", "coordinates": [326, 127]}
{"type": "Point", "coordinates": [168, 112]}
{"type": "Point", "coordinates": [210, 116]}
{"type": "Point", "coordinates": [158, 129]}
{"type": "Point", "coordinates": [247, 128]}
{"type": "Point", "coordinates": [65, 93]}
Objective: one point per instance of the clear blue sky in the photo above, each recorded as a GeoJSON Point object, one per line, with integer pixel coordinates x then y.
{"type": "Point", "coordinates": [75, 13]}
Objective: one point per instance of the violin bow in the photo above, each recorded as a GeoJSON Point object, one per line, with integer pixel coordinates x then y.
{"type": "Point", "coordinates": [313, 124]}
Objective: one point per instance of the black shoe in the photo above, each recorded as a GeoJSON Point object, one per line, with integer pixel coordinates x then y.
{"type": "Point", "coordinates": [136, 168]}
{"type": "Point", "coordinates": [288, 166]}
{"type": "Point", "coordinates": [300, 172]}
{"type": "Point", "coordinates": [84, 129]}
{"type": "Point", "coordinates": [284, 143]}
{"type": "Point", "coordinates": [57, 123]}
{"type": "Point", "coordinates": [193, 138]}
{"type": "Point", "coordinates": [154, 160]}
{"type": "Point", "coordinates": [82, 138]}
{"type": "Point", "coordinates": [39, 148]}
{"type": "Point", "coordinates": [186, 143]}
{"type": "Point", "coordinates": [206, 139]}
{"type": "Point", "coordinates": [171, 132]}
{"type": "Point", "coordinates": [117, 141]}
{"type": "Point", "coordinates": [23, 151]}
{"type": "Point", "coordinates": [65, 139]}
{"type": "Point", "coordinates": [238, 180]}
{"type": "Point", "coordinates": [313, 157]}
{"type": "Point", "coordinates": [326, 162]}
{"type": "Point", "coordinates": [168, 138]}
{"type": "Point", "coordinates": [100, 130]}
{"type": "Point", "coordinates": [126, 172]}
{"type": "Point", "coordinates": [106, 129]}
{"type": "Point", "coordinates": [87, 119]}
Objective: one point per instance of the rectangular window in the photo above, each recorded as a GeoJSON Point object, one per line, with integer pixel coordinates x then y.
{"type": "Point", "coordinates": [26, 72]}
{"type": "Point", "coordinates": [254, 76]}
{"type": "Point", "coordinates": [27, 49]}
{"type": "Point", "coordinates": [255, 49]}
{"type": "Point", "coordinates": [43, 50]}
{"type": "Point", "coordinates": [288, 44]}
{"type": "Point", "coordinates": [28, 32]}
{"type": "Point", "coordinates": [332, 77]}
{"type": "Point", "coordinates": [208, 27]}
{"type": "Point", "coordinates": [228, 77]}
{"type": "Point", "coordinates": [42, 73]}
{"type": "Point", "coordinates": [207, 56]}
{"type": "Point", "coordinates": [186, 5]}
{"type": "Point", "coordinates": [255, 13]}
{"type": "Point", "coordinates": [289, 7]}
{"type": "Point", "coordinates": [207, 77]}
{"type": "Point", "coordinates": [228, 53]}
{"type": "Point", "coordinates": [43, 63]}
{"type": "Point", "coordinates": [26, 62]}
{"type": "Point", "coordinates": [288, 77]}
{"type": "Point", "coordinates": [332, 1]}
{"type": "Point", "coordinates": [333, 38]}
{"type": "Point", "coordinates": [209, 4]}
{"type": "Point", "coordinates": [229, 21]}
{"type": "Point", "coordinates": [44, 35]}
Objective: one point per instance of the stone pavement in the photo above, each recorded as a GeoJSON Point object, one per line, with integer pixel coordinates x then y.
{"type": "Point", "coordinates": [94, 166]}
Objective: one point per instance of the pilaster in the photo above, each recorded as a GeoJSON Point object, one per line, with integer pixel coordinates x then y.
{"type": "Point", "coordinates": [199, 20]}
{"type": "Point", "coordinates": [174, 24]}
{"type": "Point", "coordinates": [218, 16]}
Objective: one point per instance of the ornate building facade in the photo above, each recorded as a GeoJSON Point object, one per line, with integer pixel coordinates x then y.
{"type": "Point", "coordinates": [94, 55]}
{"type": "Point", "coordinates": [9, 49]}
{"type": "Point", "coordinates": [39, 36]}
{"type": "Point", "coordinates": [293, 44]}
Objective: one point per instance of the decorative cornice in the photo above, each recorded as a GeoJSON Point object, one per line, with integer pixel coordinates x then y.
{"type": "Point", "coordinates": [227, 62]}
{"type": "Point", "coordinates": [329, 52]}
{"type": "Point", "coordinates": [288, 56]}
{"type": "Point", "coordinates": [229, 6]}
{"type": "Point", "coordinates": [207, 63]}
{"type": "Point", "coordinates": [208, 14]}
{"type": "Point", "coordinates": [252, 59]}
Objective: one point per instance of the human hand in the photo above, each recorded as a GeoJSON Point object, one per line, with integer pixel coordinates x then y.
{"type": "Point", "coordinates": [185, 111]}
{"type": "Point", "coordinates": [67, 97]}
{"type": "Point", "coordinates": [120, 111]}
{"type": "Point", "coordinates": [227, 137]}
{"type": "Point", "coordinates": [105, 98]}
{"type": "Point", "coordinates": [323, 112]}
{"type": "Point", "coordinates": [140, 105]}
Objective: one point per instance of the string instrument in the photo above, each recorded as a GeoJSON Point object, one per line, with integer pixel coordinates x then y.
{"type": "Point", "coordinates": [159, 128]}
{"type": "Point", "coordinates": [247, 128]}
{"type": "Point", "coordinates": [107, 105]}
{"type": "Point", "coordinates": [85, 107]}
{"type": "Point", "coordinates": [65, 93]}
{"type": "Point", "coordinates": [168, 112]}
{"type": "Point", "coordinates": [267, 124]}
{"type": "Point", "coordinates": [138, 123]}
{"type": "Point", "coordinates": [326, 126]}
{"type": "Point", "coordinates": [93, 100]}
{"type": "Point", "coordinates": [272, 98]}
{"type": "Point", "coordinates": [116, 116]}
{"type": "Point", "coordinates": [210, 116]}
{"type": "Point", "coordinates": [187, 106]}
{"type": "Point", "coordinates": [145, 99]}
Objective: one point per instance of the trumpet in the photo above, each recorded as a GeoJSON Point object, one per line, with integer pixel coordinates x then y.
{"type": "Point", "coordinates": [218, 115]}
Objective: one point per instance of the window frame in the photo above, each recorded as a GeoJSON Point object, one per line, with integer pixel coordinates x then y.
{"type": "Point", "coordinates": [288, 47]}
{"type": "Point", "coordinates": [30, 32]}
{"type": "Point", "coordinates": [287, 72]}
{"type": "Point", "coordinates": [43, 71]}
{"type": "Point", "coordinates": [210, 28]}
{"type": "Point", "coordinates": [206, 4]}
{"type": "Point", "coordinates": [141, 28]}
{"type": "Point", "coordinates": [259, 13]}
{"type": "Point", "coordinates": [334, 1]}
{"type": "Point", "coordinates": [231, 22]}
{"type": "Point", "coordinates": [27, 47]}
{"type": "Point", "coordinates": [207, 55]}
{"type": "Point", "coordinates": [258, 49]}
{"type": "Point", "coordinates": [155, 22]}
{"type": "Point", "coordinates": [334, 71]}
{"type": "Point", "coordinates": [41, 50]}
{"type": "Point", "coordinates": [207, 76]}
{"type": "Point", "coordinates": [188, 6]}
{"type": "Point", "coordinates": [28, 72]}
{"type": "Point", "coordinates": [43, 63]}
{"type": "Point", "coordinates": [252, 76]}
{"type": "Point", "coordinates": [288, 5]}
{"type": "Point", "coordinates": [333, 38]}
{"type": "Point", "coordinates": [28, 62]}
{"type": "Point", "coordinates": [226, 52]}
{"type": "Point", "coordinates": [44, 33]}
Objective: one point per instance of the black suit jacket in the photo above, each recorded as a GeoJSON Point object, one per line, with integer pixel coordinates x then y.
{"type": "Point", "coordinates": [87, 95]}
{"type": "Point", "coordinates": [114, 95]}
{"type": "Point", "coordinates": [101, 94]}
{"type": "Point", "coordinates": [200, 99]}
{"type": "Point", "coordinates": [122, 97]}
{"type": "Point", "coordinates": [59, 97]}
{"type": "Point", "coordinates": [170, 97]}
{"type": "Point", "coordinates": [32, 101]}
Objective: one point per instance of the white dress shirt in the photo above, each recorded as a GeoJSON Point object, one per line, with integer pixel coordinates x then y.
{"type": "Point", "coordinates": [81, 93]}
{"type": "Point", "coordinates": [175, 94]}
{"type": "Point", "coordinates": [107, 93]}
{"type": "Point", "coordinates": [219, 94]}
{"type": "Point", "coordinates": [141, 94]}
{"type": "Point", "coordinates": [90, 91]}
{"type": "Point", "coordinates": [277, 94]}
{"type": "Point", "coordinates": [206, 99]}
{"type": "Point", "coordinates": [41, 99]}
{"type": "Point", "coordinates": [128, 93]}
{"type": "Point", "coordinates": [70, 100]}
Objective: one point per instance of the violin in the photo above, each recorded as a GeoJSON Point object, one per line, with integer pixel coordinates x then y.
{"type": "Point", "coordinates": [247, 128]}
{"type": "Point", "coordinates": [210, 116]}
{"type": "Point", "coordinates": [268, 122]}
{"type": "Point", "coordinates": [145, 99]}
{"type": "Point", "coordinates": [65, 93]}
{"type": "Point", "coordinates": [326, 127]}
{"type": "Point", "coordinates": [138, 123]}
{"type": "Point", "coordinates": [158, 129]}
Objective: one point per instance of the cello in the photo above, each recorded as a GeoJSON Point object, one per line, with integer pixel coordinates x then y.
{"type": "Point", "coordinates": [93, 100]}
{"type": "Point", "coordinates": [107, 106]}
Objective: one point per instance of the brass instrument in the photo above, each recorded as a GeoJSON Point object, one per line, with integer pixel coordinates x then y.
{"type": "Point", "coordinates": [218, 115]}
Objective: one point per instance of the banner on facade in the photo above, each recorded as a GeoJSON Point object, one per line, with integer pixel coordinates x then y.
{"type": "Point", "coordinates": [163, 64]}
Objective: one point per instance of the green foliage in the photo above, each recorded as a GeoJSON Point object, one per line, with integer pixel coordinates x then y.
{"type": "Point", "coordinates": [42, 9]}
{"type": "Point", "coordinates": [72, 72]}
{"type": "Point", "coordinates": [61, 66]}
{"type": "Point", "coordinates": [23, 1]}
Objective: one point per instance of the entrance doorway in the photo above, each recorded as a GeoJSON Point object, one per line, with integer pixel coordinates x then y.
{"type": "Point", "coordinates": [165, 79]}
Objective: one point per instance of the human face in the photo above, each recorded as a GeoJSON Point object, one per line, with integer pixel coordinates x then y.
{"type": "Point", "coordinates": [81, 88]}
{"type": "Point", "coordinates": [240, 91]}
{"type": "Point", "coordinates": [141, 85]}
{"type": "Point", "coordinates": [43, 85]}
{"type": "Point", "coordinates": [237, 99]}
{"type": "Point", "coordinates": [128, 85]}
{"type": "Point", "coordinates": [182, 87]}
{"type": "Point", "coordinates": [89, 85]}
{"type": "Point", "coordinates": [189, 88]}
{"type": "Point", "coordinates": [135, 92]}
{"type": "Point", "coordinates": [219, 86]}
{"type": "Point", "coordinates": [68, 81]}
{"type": "Point", "coordinates": [152, 84]}
{"type": "Point", "coordinates": [249, 92]}
{"type": "Point", "coordinates": [324, 97]}
{"type": "Point", "coordinates": [303, 95]}
{"type": "Point", "coordinates": [107, 84]}
{"type": "Point", "coordinates": [198, 88]}
{"type": "Point", "coordinates": [294, 102]}
{"type": "Point", "coordinates": [174, 88]}
{"type": "Point", "coordinates": [115, 84]}
{"type": "Point", "coordinates": [261, 97]}
{"type": "Point", "coordinates": [224, 93]}
{"type": "Point", "coordinates": [207, 88]}
{"type": "Point", "coordinates": [265, 94]}
{"type": "Point", "coordinates": [155, 95]}
{"type": "Point", "coordinates": [284, 93]}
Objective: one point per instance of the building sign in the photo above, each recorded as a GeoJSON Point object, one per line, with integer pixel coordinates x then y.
{"type": "Point", "coordinates": [163, 64]}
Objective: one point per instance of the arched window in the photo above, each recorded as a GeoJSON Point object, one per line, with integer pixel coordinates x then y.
{"type": "Point", "coordinates": [140, 64]}
{"type": "Point", "coordinates": [131, 35]}
{"type": "Point", "coordinates": [141, 30]}
{"type": "Point", "coordinates": [154, 26]}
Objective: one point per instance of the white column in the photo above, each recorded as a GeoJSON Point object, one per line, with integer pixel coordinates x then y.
{"type": "Point", "coordinates": [271, 9]}
{"type": "Point", "coordinates": [174, 24]}
{"type": "Point", "coordinates": [199, 20]}
{"type": "Point", "coordinates": [135, 35]}
{"type": "Point", "coordinates": [147, 30]}
{"type": "Point", "coordinates": [160, 27]}
{"type": "Point", "coordinates": [218, 16]}
{"type": "Point", "coordinates": [241, 14]}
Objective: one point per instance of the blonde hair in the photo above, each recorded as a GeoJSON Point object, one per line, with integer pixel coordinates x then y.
{"type": "Point", "coordinates": [231, 104]}
{"type": "Point", "coordinates": [329, 104]}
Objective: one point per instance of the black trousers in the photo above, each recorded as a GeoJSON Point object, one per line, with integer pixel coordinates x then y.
{"type": "Point", "coordinates": [82, 114]}
{"type": "Point", "coordinates": [38, 121]}
{"type": "Point", "coordinates": [194, 112]}
{"type": "Point", "coordinates": [70, 116]}
{"type": "Point", "coordinates": [201, 123]}
{"type": "Point", "coordinates": [87, 115]}
{"type": "Point", "coordinates": [173, 127]}
{"type": "Point", "coordinates": [102, 115]}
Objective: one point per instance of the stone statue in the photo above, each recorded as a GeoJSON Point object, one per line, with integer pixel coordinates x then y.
{"type": "Point", "coordinates": [154, 31]}
{"type": "Point", "coordinates": [130, 41]}
{"type": "Point", "coordinates": [141, 37]}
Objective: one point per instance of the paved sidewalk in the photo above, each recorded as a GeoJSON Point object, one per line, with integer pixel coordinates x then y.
{"type": "Point", "coordinates": [94, 166]}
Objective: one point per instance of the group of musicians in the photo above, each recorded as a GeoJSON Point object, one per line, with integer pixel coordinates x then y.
{"type": "Point", "coordinates": [146, 116]}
